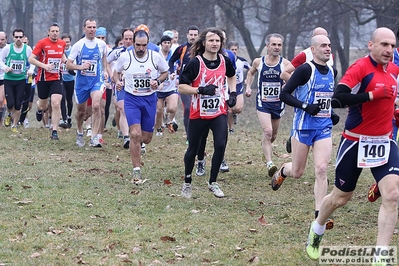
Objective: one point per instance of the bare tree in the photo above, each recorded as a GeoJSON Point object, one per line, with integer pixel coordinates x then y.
{"type": "Point", "coordinates": [234, 10]}
{"type": "Point", "coordinates": [384, 12]}
{"type": "Point", "coordinates": [67, 11]}
{"type": "Point", "coordinates": [56, 7]}
{"type": "Point", "coordinates": [24, 16]}
{"type": "Point", "coordinates": [251, 19]}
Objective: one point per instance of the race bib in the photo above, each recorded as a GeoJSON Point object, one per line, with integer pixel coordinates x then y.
{"type": "Point", "coordinates": [373, 151]}
{"type": "Point", "coordinates": [92, 71]}
{"type": "Point", "coordinates": [56, 62]}
{"type": "Point", "coordinates": [141, 83]}
{"type": "Point", "coordinates": [270, 91]}
{"type": "Point", "coordinates": [209, 105]}
{"type": "Point", "coordinates": [64, 69]}
{"type": "Point", "coordinates": [323, 100]}
{"type": "Point", "coordinates": [17, 66]}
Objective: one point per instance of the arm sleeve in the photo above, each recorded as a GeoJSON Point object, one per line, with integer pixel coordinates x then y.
{"type": "Point", "coordinates": [230, 69]}
{"type": "Point", "coordinates": [232, 58]}
{"type": "Point", "coordinates": [343, 97]}
{"type": "Point", "coordinates": [300, 76]}
{"type": "Point", "coordinates": [174, 58]}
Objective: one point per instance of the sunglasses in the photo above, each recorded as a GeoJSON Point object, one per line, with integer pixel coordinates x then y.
{"type": "Point", "coordinates": [18, 37]}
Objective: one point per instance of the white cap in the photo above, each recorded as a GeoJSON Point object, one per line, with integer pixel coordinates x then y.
{"type": "Point", "coordinates": [168, 33]}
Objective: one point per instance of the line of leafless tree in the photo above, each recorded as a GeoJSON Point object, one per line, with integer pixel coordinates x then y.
{"type": "Point", "coordinates": [248, 21]}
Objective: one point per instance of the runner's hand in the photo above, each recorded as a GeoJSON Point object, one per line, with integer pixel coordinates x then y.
{"type": "Point", "coordinates": [382, 92]}
{"type": "Point", "coordinates": [207, 90]}
{"type": "Point", "coordinates": [312, 109]}
{"type": "Point", "coordinates": [232, 99]}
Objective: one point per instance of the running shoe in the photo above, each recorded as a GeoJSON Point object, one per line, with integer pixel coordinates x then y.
{"type": "Point", "coordinates": [231, 130]}
{"type": "Point", "coordinates": [329, 224]}
{"type": "Point", "coordinates": [89, 132]}
{"type": "Point", "coordinates": [63, 124]}
{"type": "Point", "coordinates": [136, 177]}
{"type": "Point", "coordinates": [69, 122]}
{"type": "Point", "coordinates": [175, 126]}
{"type": "Point", "coordinates": [114, 122]}
{"type": "Point", "coordinates": [54, 135]}
{"type": "Point", "coordinates": [271, 169]}
{"type": "Point", "coordinates": [14, 129]}
{"type": "Point", "coordinates": [39, 115]}
{"type": "Point", "coordinates": [120, 135]}
{"type": "Point", "coordinates": [215, 188]}
{"type": "Point", "coordinates": [95, 143]}
{"type": "Point", "coordinates": [159, 132]}
{"type": "Point", "coordinates": [186, 190]}
{"type": "Point", "coordinates": [313, 243]}
{"type": "Point", "coordinates": [126, 143]}
{"type": "Point", "coordinates": [7, 120]}
{"type": "Point", "coordinates": [200, 168]}
{"type": "Point", "coordinates": [80, 140]}
{"type": "Point", "coordinates": [224, 167]}
{"type": "Point", "coordinates": [26, 123]}
{"type": "Point", "coordinates": [374, 193]}
{"type": "Point", "coordinates": [170, 127]}
{"type": "Point", "coordinates": [277, 179]}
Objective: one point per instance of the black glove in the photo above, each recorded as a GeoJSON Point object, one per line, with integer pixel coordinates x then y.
{"type": "Point", "coordinates": [207, 90]}
{"type": "Point", "coordinates": [334, 118]}
{"type": "Point", "coordinates": [312, 109]}
{"type": "Point", "coordinates": [71, 72]}
{"type": "Point", "coordinates": [232, 100]}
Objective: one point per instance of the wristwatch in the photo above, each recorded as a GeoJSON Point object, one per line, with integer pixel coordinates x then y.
{"type": "Point", "coordinates": [304, 105]}
{"type": "Point", "coordinates": [159, 82]}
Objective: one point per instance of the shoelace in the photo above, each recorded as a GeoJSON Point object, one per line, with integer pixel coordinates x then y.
{"type": "Point", "coordinates": [316, 241]}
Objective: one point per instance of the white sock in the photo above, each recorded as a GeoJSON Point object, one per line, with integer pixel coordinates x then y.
{"type": "Point", "coordinates": [136, 168]}
{"type": "Point", "coordinates": [319, 229]}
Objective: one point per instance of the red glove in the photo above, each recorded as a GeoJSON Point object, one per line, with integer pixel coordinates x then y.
{"type": "Point", "coordinates": [396, 116]}
{"type": "Point", "coordinates": [382, 92]}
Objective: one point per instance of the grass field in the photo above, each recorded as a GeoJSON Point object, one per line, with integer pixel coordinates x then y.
{"type": "Point", "coordinates": [61, 205]}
